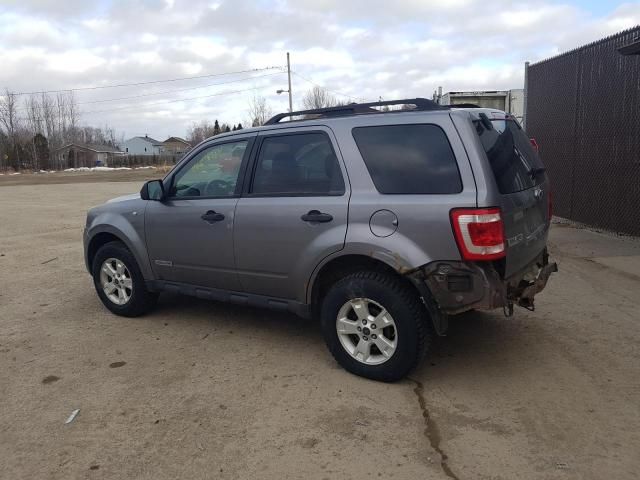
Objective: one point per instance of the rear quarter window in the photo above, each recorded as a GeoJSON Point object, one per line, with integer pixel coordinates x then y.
{"type": "Point", "coordinates": [409, 159]}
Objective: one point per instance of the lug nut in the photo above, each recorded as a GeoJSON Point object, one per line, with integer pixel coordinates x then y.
{"type": "Point", "coordinates": [364, 322]}
{"type": "Point", "coordinates": [374, 336]}
{"type": "Point", "coordinates": [365, 338]}
{"type": "Point", "coordinates": [373, 326]}
{"type": "Point", "coordinates": [359, 329]}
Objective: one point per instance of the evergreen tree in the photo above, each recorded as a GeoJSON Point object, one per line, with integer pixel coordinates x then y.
{"type": "Point", "coordinates": [239, 127]}
{"type": "Point", "coordinates": [227, 129]}
{"type": "Point", "coordinates": [216, 128]}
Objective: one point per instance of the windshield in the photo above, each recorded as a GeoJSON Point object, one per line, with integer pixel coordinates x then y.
{"type": "Point", "coordinates": [516, 166]}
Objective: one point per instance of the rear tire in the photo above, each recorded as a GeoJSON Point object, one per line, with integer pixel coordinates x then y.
{"type": "Point", "coordinates": [375, 326]}
{"type": "Point", "coordinates": [119, 282]}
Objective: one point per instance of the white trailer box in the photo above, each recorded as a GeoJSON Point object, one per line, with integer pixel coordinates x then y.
{"type": "Point", "coordinates": [510, 101]}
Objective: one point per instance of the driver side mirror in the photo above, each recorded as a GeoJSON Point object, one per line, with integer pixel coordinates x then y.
{"type": "Point", "coordinates": [152, 190]}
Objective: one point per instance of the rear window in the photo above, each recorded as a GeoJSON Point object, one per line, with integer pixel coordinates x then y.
{"type": "Point", "coordinates": [409, 159]}
{"type": "Point", "coordinates": [514, 163]}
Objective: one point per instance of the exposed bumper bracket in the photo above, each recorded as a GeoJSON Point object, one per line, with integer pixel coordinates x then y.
{"type": "Point", "coordinates": [524, 296]}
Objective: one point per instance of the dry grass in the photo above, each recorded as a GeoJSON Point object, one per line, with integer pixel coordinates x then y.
{"type": "Point", "coordinates": [82, 177]}
{"type": "Point", "coordinates": [164, 169]}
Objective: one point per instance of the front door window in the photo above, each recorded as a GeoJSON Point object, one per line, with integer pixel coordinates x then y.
{"type": "Point", "coordinates": [212, 173]}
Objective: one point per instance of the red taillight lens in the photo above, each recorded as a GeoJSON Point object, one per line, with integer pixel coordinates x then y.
{"type": "Point", "coordinates": [534, 144]}
{"type": "Point", "coordinates": [479, 233]}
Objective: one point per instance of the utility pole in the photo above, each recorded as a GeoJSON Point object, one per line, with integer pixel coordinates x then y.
{"type": "Point", "coordinates": [289, 75]}
{"type": "Point", "coordinates": [525, 94]}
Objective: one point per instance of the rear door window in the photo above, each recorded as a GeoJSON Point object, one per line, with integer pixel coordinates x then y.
{"type": "Point", "coordinates": [409, 159]}
{"type": "Point", "coordinates": [302, 164]}
{"type": "Point", "coordinates": [516, 166]}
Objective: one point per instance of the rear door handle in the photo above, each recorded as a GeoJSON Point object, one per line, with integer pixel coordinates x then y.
{"type": "Point", "coordinates": [316, 216]}
{"type": "Point", "coordinates": [212, 217]}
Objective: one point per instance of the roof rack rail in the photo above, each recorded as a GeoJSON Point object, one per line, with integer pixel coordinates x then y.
{"type": "Point", "coordinates": [421, 104]}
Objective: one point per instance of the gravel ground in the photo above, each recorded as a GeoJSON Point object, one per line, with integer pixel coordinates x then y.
{"type": "Point", "coordinates": [206, 390]}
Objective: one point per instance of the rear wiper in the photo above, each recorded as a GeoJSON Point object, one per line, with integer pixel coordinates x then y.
{"type": "Point", "coordinates": [484, 120]}
{"type": "Point", "coordinates": [535, 171]}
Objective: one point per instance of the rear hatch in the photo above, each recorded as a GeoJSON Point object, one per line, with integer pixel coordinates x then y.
{"type": "Point", "coordinates": [523, 185]}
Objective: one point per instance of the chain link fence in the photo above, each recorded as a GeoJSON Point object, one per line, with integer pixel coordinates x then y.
{"type": "Point", "coordinates": [583, 109]}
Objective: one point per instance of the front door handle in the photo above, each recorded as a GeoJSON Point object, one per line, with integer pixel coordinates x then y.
{"type": "Point", "coordinates": [316, 216]}
{"type": "Point", "coordinates": [212, 217]}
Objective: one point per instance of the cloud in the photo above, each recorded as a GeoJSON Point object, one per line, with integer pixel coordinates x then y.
{"type": "Point", "coordinates": [359, 49]}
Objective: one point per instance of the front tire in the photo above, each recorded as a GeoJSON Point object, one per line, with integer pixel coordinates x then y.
{"type": "Point", "coordinates": [119, 282]}
{"type": "Point", "coordinates": [375, 326]}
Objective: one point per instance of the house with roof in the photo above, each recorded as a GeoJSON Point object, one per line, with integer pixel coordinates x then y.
{"type": "Point", "coordinates": [77, 155]}
{"type": "Point", "coordinates": [142, 146]}
{"type": "Point", "coordinates": [175, 146]}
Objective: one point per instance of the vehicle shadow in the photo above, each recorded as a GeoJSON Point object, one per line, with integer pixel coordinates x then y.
{"type": "Point", "coordinates": [208, 313]}
{"type": "Point", "coordinates": [476, 341]}
{"type": "Point", "coordinates": [484, 342]}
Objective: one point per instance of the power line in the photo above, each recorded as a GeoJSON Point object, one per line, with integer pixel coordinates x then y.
{"type": "Point", "coordinates": [173, 101]}
{"type": "Point", "coordinates": [170, 91]}
{"type": "Point", "coordinates": [163, 103]}
{"type": "Point", "coordinates": [182, 89]}
{"type": "Point", "coordinates": [97, 87]}
{"type": "Point", "coordinates": [318, 85]}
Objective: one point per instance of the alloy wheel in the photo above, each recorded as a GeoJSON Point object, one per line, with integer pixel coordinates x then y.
{"type": "Point", "coordinates": [367, 331]}
{"type": "Point", "coordinates": [116, 281]}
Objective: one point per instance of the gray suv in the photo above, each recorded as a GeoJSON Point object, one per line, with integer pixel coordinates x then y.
{"type": "Point", "coordinates": [379, 222]}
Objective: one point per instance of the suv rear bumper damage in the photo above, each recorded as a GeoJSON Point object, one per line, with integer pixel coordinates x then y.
{"type": "Point", "coordinates": [527, 289]}
{"type": "Point", "coordinates": [457, 286]}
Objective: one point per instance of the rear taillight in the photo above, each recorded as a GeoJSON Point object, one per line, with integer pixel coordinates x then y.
{"type": "Point", "coordinates": [479, 233]}
{"type": "Point", "coordinates": [534, 144]}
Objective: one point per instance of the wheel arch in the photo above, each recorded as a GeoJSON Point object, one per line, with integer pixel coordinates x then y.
{"type": "Point", "coordinates": [97, 241]}
{"type": "Point", "coordinates": [109, 233]}
{"type": "Point", "coordinates": [343, 265]}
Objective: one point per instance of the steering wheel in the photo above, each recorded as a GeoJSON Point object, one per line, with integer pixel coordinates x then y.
{"type": "Point", "coordinates": [217, 187]}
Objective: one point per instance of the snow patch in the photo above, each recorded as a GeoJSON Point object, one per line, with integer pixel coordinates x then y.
{"type": "Point", "coordinates": [95, 169]}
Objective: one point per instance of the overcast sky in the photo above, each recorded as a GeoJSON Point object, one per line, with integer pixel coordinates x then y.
{"type": "Point", "coordinates": [360, 49]}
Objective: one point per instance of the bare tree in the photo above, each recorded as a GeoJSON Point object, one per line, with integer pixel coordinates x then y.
{"type": "Point", "coordinates": [34, 128]}
{"type": "Point", "coordinates": [4, 150]}
{"type": "Point", "coordinates": [199, 131]}
{"type": "Point", "coordinates": [61, 123]}
{"type": "Point", "coordinates": [73, 116]}
{"type": "Point", "coordinates": [259, 111]}
{"type": "Point", "coordinates": [110, 137]}
{"type": "Point", "coordinates": [318, 97]}
{"type": "Point", "coordinates": [66, 118]}
{"type": "Point", "coordinates": [49, 118]}
{"type": "Point", "coordinates": [49, 123]}
{"type": "Point", "coordinates": [10, 123]}
{"type": "Point", "coordinates": [34, 114]}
